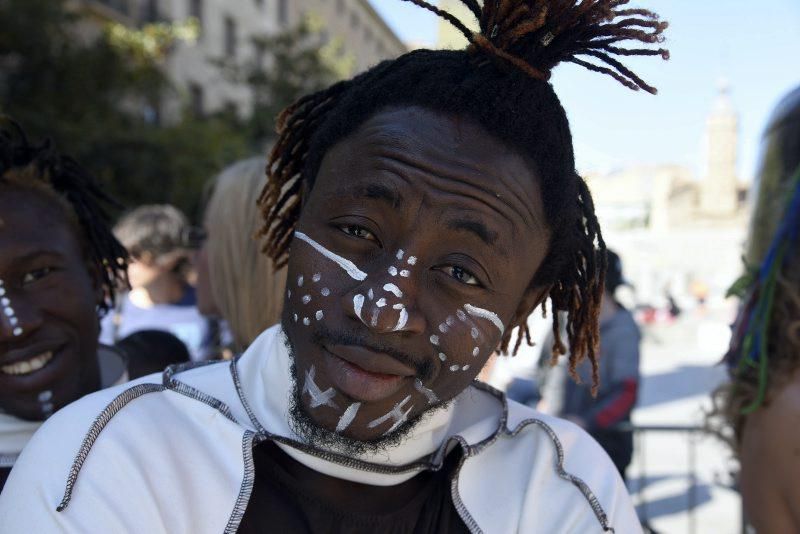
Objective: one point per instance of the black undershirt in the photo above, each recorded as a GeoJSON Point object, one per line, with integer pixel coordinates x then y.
{"type": "Point", "coordinates": [290, 497]}
{"type": "Point", "coordinates": [4, 472]}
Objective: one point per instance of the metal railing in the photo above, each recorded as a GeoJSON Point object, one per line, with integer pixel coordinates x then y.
{"type": "Point", "coordinates": [694, 433]}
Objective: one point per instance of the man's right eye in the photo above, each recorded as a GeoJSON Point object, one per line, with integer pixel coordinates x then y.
{"type": "Point", "coordinates": [358, 231]}
{"type": "Point", "coordinates": [36, 274]}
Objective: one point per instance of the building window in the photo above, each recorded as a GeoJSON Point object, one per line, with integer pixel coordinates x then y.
{"type": "Point", "coordinates": [151, 11]}
{"type": "Point", "coordinates": [196, 11]}
{"type": "Point", "coordinates": [230, 38]}
{"type": "Point", "coordinates": [283, 11]}
{"type": "Point", "coordinates": [197, 98]}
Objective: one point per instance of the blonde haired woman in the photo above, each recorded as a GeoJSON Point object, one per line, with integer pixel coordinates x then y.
{"type": "Point", "coordinates": [236, 282]}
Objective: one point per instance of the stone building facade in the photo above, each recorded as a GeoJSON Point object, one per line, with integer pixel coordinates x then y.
{"type": "Point", "coordinates": [227, 32]}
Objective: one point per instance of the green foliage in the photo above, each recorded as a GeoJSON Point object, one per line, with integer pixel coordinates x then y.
{"type": "Point", "coordinates": [296, 62]}
{"type": "Point", "coordinates": [88, 95]}
{"type": "Point", "coordinates": [88, 89]}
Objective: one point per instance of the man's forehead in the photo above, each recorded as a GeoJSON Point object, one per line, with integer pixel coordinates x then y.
{"type": "Point", "coordinates": [409, 142]}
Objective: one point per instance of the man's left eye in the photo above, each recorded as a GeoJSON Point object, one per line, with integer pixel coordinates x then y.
{"type": "Point", "coordinates": [462, 275]}
{"type": "Point", "coordinates": [358, 231]}
{"type": "Point", "coordinates": [36, 274]}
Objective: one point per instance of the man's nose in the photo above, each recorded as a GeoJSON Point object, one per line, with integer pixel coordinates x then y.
{"type": "Point", "coordinates": [386, 304]}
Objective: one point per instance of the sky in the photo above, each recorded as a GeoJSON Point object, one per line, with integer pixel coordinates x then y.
{"type": "Point", "coordinates": [754, 45]}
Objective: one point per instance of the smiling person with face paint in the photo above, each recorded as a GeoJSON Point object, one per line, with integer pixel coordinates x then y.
{"type": "Point", "coordinates": [58, 267]}
{"type": "Point", "coordinates": [423, 209]}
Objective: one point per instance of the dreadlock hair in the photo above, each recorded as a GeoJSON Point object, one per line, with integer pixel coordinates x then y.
{"type": "Point", "coordinates": [500, 82]}
{"type": "Point", "coordinates": [40, 168]}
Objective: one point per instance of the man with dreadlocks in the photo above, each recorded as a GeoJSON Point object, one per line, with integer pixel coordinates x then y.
{"type": "Point", "coordinates": [762, 402]}
{"type": "Point", "coordinates": [430, 205]}
{"type": "Point", "coordinates": [58, 268]}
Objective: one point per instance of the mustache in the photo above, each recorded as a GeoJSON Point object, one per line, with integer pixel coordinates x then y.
{"type": "Point", "coordinates": [323, 335]}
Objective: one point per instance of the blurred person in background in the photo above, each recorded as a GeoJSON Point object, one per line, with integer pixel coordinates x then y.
{"type": "Point", "coordinates": [151, 351]}
{"type": "Point", "coordinates": [619, 377]}
{"type": "Point", "coordinates": [59, 267]}
{"type": "Point", "coordinates": [235, 280]}
{"type": "Point", "coordinates": [762, 402]}
{"type": "Point", "coordinates": [161, 242]}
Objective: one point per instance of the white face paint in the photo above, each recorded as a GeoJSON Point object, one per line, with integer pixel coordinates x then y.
{"type": "Point", "coordinates": [405, 273]}
{"type": "Point", "coordinates": [316, 278]}
{"type": "Point", "coordinates": [396, 414]}
{"type": "Point", "coordinates": [400, 254]}
{"type": "Point", "coordinates": [393, 270]}
{"type": "Point", "coordinates": [412, 260]}
{"type": "Point", "coordinates": [431, 396]}
{"type": "Point", "coordinates": [8, 311]}
{"type": "Point", "coordinates": [306, 299]}
{"type": "Point", "coordinates": [348, 266]}
{"type": "Point", "coordinates": [443, 356]}
{"type": "Point", "coordinates": [434, 340]}
{"type": "Point", "coordinates": [318, 397]}
{"type": "Point", "coordinates": [347, 417]}
{"type": "Point", "coordinates": [306, 321]}
{"type": "Point", "coordinates": [393, 289]}
{"type": "Point", "coordinates": [325, 292]}
{"type": "Point", "coordinates": [300, 281]}
{"type": "Point", "coordinates": [485, 314]}
{"type": "Point", "coordinates": [358, 304]}
{"type": "Point", "coordinates": [319, 315]}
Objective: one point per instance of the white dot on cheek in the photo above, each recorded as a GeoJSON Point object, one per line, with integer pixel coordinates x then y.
{"type": "Point", "coordinates": [306, 299]}
{"type": "Point", "coordinates": [454, 368]}
{"type": "Point", "coordinates": [476, 351]}
{"type": "Point", "coordinates": [306, 321]}
{"type": "Point", "coordinates": [317, 277]}
{"type": "Point", "coordinates": [393, 270]}
{"type": "Point", "coordinates": [325, 292]}
{"type": "Point", "coordinates": [300, 281]}
{"type": "Point", "coordinates": [319, 315]}
{"type": "Point", "coordinates": [465, 368]}
{"type": "Point", "coordinates": [435, 340]}
{"type": "Point", "coordinates": [443, 356]}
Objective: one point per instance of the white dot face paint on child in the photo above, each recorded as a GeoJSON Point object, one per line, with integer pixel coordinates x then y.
{"type": "Point", "coordinates": [412, 260]}
{"type": "Point", "coordinates": [393, 270]}
{"type": "Point", "coordinates": [400, 254]}
{"type": "Point", "coordinates": [325, 292]}
{"type": "Point", "coordinates": [295, 317]}
{"type": "Point", "coordinates": [319, 315]}
{"type": "Point", "coordinates": [306, 321]}
{"type": "Point", "coordinates": [474, 333]}
{"type": "Point", "coordinates": [306, 299]}
{"type": "Point", "coordinates": [465, 368]}
{"type": "Point", "coordinates": [461, 315]}
{"type": "Point", "coordinates": [434, 340]}
{"type": "Point", "coordinates": [476, 351]}
{"type": "Point", "coordinates": [443, 356]}
{"type": "Point", "coordinates": [454, 368]}
{"type": "Point", "coordinates": [450, 321]}
{"type": "Point", "coordinates": [443, 328]}
{"type": "Point", "coordinates": [300, 281]}
{"type": "Point", "coordinates": [289, 294]}
{"type": "Point", "coordinates": [316, 278]}
{"type": "Point", "coordinates": [4, 301]}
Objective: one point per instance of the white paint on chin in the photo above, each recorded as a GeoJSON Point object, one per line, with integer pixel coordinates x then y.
{"type": "Point", "coordinates": [318, 397]}
{"type": "Point", "coordinates": [348, 266]}
{"type": "Point", "coordinates": [402, 320]}
{"type": "Point", "coordinates": [347, 417]}
{"type": "Point", "coordinates": [429, 394]}
{"type": "Point", "coordinates": [396, 413]}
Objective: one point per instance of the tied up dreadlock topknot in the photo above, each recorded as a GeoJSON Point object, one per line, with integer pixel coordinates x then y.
{"type": "Point", "coordinates": [499, 82]}
{"type": "Point", "coordinates": [40, 167]}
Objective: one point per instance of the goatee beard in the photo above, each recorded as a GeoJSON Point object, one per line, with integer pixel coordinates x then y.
{"type": "Point", "coordinates": [307, 429]}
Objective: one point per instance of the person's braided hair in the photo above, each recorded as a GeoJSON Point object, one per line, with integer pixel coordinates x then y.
{"type": "Point", "coordinates": [500, 82]}
{"type": "Point", "coordinates": [41, 168]}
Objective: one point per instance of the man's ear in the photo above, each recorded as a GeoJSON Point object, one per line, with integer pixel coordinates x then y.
{"type": "Point", "coordinates": [530, 300]}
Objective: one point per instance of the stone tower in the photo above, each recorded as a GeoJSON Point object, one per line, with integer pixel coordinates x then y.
{"type": "Point", "coordinates": [718, 189]}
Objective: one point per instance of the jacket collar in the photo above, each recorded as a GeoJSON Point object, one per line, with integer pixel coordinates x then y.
{"type": "Point", "coordinates": [264, 383]}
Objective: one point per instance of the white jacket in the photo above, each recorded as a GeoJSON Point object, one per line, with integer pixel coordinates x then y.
{"type": "Point", "coordinates": [175, 456]}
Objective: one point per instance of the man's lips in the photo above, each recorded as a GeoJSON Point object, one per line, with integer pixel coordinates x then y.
{"type": "Point", "coordinates": [30, 351]}
{"type": "Point", "coordinates": [363, 374]}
